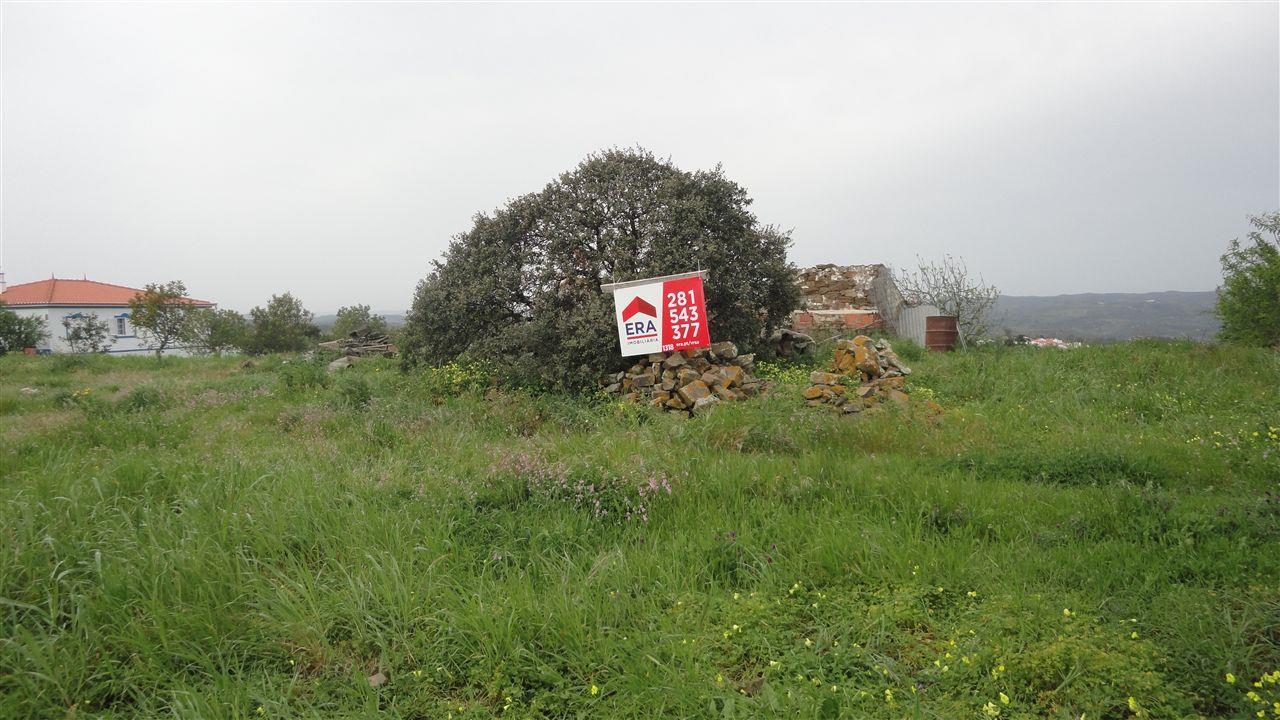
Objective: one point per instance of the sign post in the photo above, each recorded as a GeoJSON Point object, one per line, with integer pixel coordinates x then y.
{"type": "Point", "coordinates": [661, 314]}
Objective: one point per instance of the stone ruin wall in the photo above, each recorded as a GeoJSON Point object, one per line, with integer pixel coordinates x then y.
{"type": "Point", "coordinates": [839, 298]}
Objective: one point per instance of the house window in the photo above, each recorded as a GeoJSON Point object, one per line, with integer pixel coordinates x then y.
{"type": "Point", "coordinates": [121, 326]}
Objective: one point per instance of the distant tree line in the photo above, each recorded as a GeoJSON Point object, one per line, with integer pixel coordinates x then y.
{"type": "Point", "coordinates": [164, 319]}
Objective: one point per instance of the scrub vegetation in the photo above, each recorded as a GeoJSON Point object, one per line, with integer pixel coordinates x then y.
{"type": "Point", "coordinates": [1091, 533]}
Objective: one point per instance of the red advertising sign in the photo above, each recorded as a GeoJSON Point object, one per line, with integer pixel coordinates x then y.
{"type": "Point", "coordinates": [661, 314]}
{"type": "Point", "coordinates": [684, 310]}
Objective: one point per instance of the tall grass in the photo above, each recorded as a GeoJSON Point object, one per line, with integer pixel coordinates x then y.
{"type": "Point", "coordinates": [1093, 532]}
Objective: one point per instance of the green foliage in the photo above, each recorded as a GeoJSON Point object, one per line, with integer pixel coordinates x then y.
{"type": "Point", "coordinates": [1092, 532]}
{"type": "Point", "coordinates": [161, 314]}
{"type": "Point", "coordinates": [353, 391]}
{"type": "Point", "coordinates": [453, 378]}
{"type": "Point", "coordinates": [86, 333]}
{"type": "Point", "coordinates": [217, 331]}
{"type": "Point", "coordinates": [284, 325]}
{"type": "Point", "coordinates": [144, 398]}
{"type": "Point", "coordinates": [301, 375]}
{"type": "Point", "coordinates": [19, 331]}
{"type": "Point", "coordinates": [523, 284]}
{"type": "Point", "coordinates": [357, 317]}
{"type": "Point", "coordinates": [784, 371]}
{"type": "Point", "coordinates": [1249, 300]}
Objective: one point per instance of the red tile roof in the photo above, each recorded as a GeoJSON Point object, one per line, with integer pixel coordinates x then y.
{"type": "Point", "coordinates": [78, 293]}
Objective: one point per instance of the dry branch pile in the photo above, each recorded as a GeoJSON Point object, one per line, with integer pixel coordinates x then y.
{"type": "Point", "coordinates": [687, 381]}
{"type": "Point", "coordinates": [362, 343]}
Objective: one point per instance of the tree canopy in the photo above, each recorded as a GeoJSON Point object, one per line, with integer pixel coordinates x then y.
{"type": "Point", "coordinates": [19, 331]}
{"type": "Point", "coordinates": [284, 325]}
{"type": "Point", "coordinates": [162, 315]}
{"type": "Point", "coordinates": [357, 317]}
{"type": "Point", "coordinates": [522, 286]}
{"type": "Point", "coordinates": [1249, 299]}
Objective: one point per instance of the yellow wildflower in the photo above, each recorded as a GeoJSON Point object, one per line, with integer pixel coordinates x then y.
{"type": "Point", "coordinates": [595, 690]}
{"type": "Point", "coordinates": [1004, 698]}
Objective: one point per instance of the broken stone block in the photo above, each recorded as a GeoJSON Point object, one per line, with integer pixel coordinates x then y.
{"type": "Point", "coordinates": [341, 363]}
{"type": "Point", "coordinates": [705, 403]}
{"type": "Point", "coordinates": [732, 375]}
{"type": "Point", "coordinates": [693, 392]}
{"type": "Point", "coordinates": [725, 350]}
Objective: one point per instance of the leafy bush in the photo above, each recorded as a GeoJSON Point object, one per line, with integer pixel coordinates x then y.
{"type": "Point", "coordinates": [303, 375]}
{"type": "Point", "coordinates": [1249, 300]}
{"type": "Point", "coordinates": [522, 286]}
{"type": "Point", "coordinates": [284, 325]}
{"type": "Point", "coordinates": [453, 378]}
{"type": "Point", "coordinates": [18, 331]}
{"type": "Point", "coordinates": [353, 391]}
{"type": "Point", "coordinates": [143, 397]}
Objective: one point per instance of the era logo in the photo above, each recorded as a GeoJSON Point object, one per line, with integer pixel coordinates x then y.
{"type": "Point", "coordinates": [639, 328]}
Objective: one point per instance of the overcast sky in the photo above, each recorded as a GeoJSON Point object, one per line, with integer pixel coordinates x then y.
{"type": "Point", "coordinates": [332, 150]}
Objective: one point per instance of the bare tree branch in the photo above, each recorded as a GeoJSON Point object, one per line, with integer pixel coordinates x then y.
{"type": "Point", "coordinates": [948, 286]}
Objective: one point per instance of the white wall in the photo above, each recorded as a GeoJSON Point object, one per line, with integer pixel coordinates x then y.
{"type": "Point", "coordinates": [121, 344]}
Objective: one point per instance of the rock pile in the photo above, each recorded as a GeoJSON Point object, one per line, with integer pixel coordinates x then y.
{"type": "Point", "coordinates": [687, 381]}
{"type": "Point", "coordinates": [875, 372]}
{"type": "Point", "coordinates": [362, 343]}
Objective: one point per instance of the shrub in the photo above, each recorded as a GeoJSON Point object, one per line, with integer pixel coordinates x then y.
{"type": "Point", "coordinates": [302, 375]}
{"type": "Point", "coordinates": [284, 325]}
{"type": "Point", "coordinates": [1249, 299]}
{"type": "Point", "coordinates": [353, 391]}
{"type": "Point", "coordinates": [523, 285]}
{"type": "Point", "coordinates": [18, 332]}
{"type": "Point", "coordinates": [143, 397]}
{"type": "Point", "coordinates": [454, 378]}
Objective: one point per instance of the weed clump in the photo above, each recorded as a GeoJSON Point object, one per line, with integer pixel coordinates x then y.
{"type": "Point", "coordinates": [604, 494]}
{"type": "Point", "coordinates": [301, 375]}
{"type": "Point", "coordinates": [144, 398]}
{"type": "Point", "coordinates": [353, 392]}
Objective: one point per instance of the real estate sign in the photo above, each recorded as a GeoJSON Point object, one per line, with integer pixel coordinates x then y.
{"type": "Point", "coordinates": [660, 314]}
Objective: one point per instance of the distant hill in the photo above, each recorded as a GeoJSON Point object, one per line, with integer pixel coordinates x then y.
{"type": "Point", "coordinates": [1109, 316]}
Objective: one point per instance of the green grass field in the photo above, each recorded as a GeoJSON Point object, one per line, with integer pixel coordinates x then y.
{"type": "Point", "coordinates": [1083, 534]}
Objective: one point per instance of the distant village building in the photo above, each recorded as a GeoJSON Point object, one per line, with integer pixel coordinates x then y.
{"type": "Point", "coordinates": [54, 299]}
{"type": "Point", "coordinates": [836, 299]}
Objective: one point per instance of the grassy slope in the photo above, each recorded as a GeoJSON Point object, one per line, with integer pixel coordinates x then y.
{"type": "Point", "coordinates": [202, 541]}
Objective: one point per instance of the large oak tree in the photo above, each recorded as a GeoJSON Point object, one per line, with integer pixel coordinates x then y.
{"type": "Point", "coordinates": [522, 286]}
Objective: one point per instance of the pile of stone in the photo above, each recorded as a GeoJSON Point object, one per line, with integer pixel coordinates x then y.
{"type": "Point", "coordinates": [864, 373]}
{"type": "Point", "coordinates": [688, 381]}
{"type": "Point", "coordinates": [362, 343]}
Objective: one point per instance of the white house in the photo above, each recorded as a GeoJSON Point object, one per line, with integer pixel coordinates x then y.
{"type": "Point", "coordinates": [54, 299]}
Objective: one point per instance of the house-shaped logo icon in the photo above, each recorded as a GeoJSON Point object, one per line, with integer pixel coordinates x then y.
{"type": "Point", "coordinates": [638, 306]}
{"type": "Point", "coordinates": [643, 327]}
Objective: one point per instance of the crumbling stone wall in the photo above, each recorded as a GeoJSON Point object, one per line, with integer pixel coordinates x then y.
{"type": "Point", "coordinates": [840, 298]}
